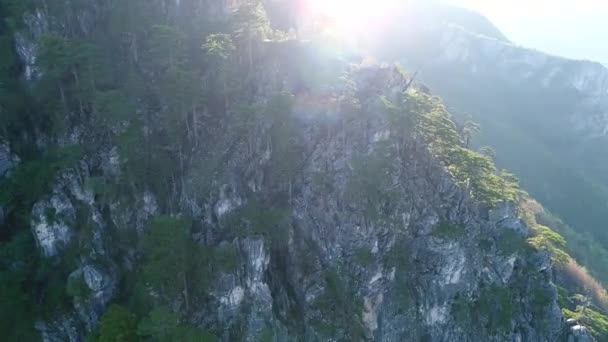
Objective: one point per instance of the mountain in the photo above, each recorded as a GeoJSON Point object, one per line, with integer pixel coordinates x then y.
{"type": "Point", "coordinates": [543, 115]}
{"type": "Point", "coordinates": [181, 171]}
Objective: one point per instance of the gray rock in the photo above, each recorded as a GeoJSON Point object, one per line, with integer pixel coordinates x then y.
{"type": "Point", "coordinates": [571, 322]}
{"type": "Point", "coordinates": [579, 333]}
{"type": "Point", "coordinates": [7, 160]}
{"type": "Point", "coordinates": [51, 219]}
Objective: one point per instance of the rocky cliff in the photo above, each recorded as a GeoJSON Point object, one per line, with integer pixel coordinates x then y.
{"type": "Point", "coordinates": [538, 111]}
{"type": "Point", "coordinates": [312, 210]}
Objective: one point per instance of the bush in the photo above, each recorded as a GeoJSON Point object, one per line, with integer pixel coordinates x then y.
{"type": "Point", "coordinates": [548, 240]}
{"type": "Point", "coordinates": [76, 287]}
{"type": "Point", "coordinates": [117, 325]}
{"type": "Point", "coordinates": [448, 231]}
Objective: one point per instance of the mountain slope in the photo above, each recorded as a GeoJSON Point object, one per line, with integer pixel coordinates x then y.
{"type": "Point", "coordinates": [544, 115]}
{"type": "Point", "coordinates": [200, 180]}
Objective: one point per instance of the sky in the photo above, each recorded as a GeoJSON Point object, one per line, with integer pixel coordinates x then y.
{"type": "Point", "coordinates": [571, 28]}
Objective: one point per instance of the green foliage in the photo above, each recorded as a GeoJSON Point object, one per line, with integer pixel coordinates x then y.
{"type": "Point", "coordinates": [595, 321]}
{"type": "Point", "coordinates": [343, 305]}
{"type": "Point", "coordinates": [266, 335]}
{"type": "Point", "coordinates": [174, 264]}
{"type": "Point", "coordinates": [578, 307]}
{"type": "Point", "coordinates": [32, 179]}
{"type": "Point", "coordinates": [76, 287]}
{"type": "Point", "coordinates": [112, 107]}
{"type": "Point", "coordinates": [117, 324]}
{"type": "Point", "coordinates": [540, 299]}
{"type": "Point", "coordinates": [422, 115]}
{"type": "Point", "coordinates": [14, 117]}
{"type": "Point", "coordinates": [219, 45]}
{"type": "Point", "coordinates": [546, 239]}
{"type": "Point", "coordinates": [510, 242]}
{"type": "Point", "coordinates": [225, 257]}
{"type": "Point", "coordinates": [477, 172]}
{"type": "Point", "coordinates": [17, 305]}
{"type": "Point", "coordinates": [285, 151]}
{"type": "Point", "coordinates": [582, 246]}
{"type": "Point", "coordinates": [485, 245]}
{"type": "Point", "coordinates": [493, 308]}
{"type": "Point", "coordinates": [543, 237]}
{"type": "Point", "coordinates": [364, 256]}
{"type": "Point", "coordinates": [446, 230]}
{"type": "Point", "coordinates": [163, 325]}
{"type": "Point", "coordinates": [250, 26]}
{"type": "Point", "coordinates": [160, 325]}
{"type": "Point", "coordinates": [257, 218]}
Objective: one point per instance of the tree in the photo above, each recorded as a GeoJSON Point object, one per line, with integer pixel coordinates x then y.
{"type": "Point", "coordinates": [468, 129]}
{"type": "Point", "coordinates": [285, 151]}
{"type": "Point", "coordinates": [163, 325]}
{"type": "Point", "coordinates": [250, 25]}
{"type": "Point", "coordinates": [117, 325]}
{"type": "Point", "coordinates": [488, 152]}
{"type": "Point", "coordinates": [219, 47]}
{"type": "Point", "coordinates": [173, 263]}
{"type": "Point", "coordinates": [477, 173]}
{"type": "Point", "coordinates": [160, 325]}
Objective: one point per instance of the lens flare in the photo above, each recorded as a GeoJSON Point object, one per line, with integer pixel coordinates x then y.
{"type": "Point", "coordinates": [351, 16]}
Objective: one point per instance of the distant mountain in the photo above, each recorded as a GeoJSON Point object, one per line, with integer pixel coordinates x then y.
{"type": "Point", "coordinates": [546, 116]}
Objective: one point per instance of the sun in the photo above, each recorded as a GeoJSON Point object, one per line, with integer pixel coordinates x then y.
{"type": "Point", "coordinates": [351, 16]}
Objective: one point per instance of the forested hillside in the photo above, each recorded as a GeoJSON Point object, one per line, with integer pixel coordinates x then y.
{"type": "Point", "coordinates": [543, 115]}
{"type": "Point", "coordinates": [192, 171]}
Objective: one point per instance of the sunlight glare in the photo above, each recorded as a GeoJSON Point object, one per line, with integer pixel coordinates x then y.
{"type": "Point", "coordinates": [352, 16]}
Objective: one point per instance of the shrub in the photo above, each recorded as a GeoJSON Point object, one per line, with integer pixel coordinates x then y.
{"type": "Point", "coordinates": [76, 287]}
{"type": "Point", "coordinates": [546, 239]}
{"type": "Point", "coordinates": [117, 325]}
{"type": "Point", "coordinates": [449, 231]}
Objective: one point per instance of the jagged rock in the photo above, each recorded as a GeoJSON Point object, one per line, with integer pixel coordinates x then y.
{"type": "Point", "coordinates": [101, 287]}
{"type": "Point", "coordinates": [338, 267]}
{"type": "Point", "coordinates": [505, 216]}
{"type": "Point", "coordinates": [51, 219]}
{"type": "Point", "coordinates": [63, 328]}
{"type": "Point", "coordinates": [579, 333]}
{"type": "Point", "coordinates": [7, 159]}
{"type": "Point", "coordinates": [571, 322]}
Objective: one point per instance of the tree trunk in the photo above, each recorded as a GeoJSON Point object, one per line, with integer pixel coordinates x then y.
{"type": "Point", "coordinates": [186, 296]}
{"type": "Point", "coordinates": [290, 191]}
{"type": "Point", "coordinates": [195, 124]}
{"type": "Point", "coordinates": [63, 100]}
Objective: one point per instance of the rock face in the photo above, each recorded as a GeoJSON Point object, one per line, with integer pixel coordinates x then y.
{"type": "Point", "coordinates": [553, 108]}
{"type": "Point", "coordinates": [368, 239]}
{"type": "Point", "coordinates": [426, 269]}
{"type": "Point", "coordinates": [7, 160]}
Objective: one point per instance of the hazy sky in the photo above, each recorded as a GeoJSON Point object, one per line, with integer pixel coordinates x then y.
{"type": "Point", "coordinates": [570, 28]}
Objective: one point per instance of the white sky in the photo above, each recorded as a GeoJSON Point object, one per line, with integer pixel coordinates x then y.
{"type": "Point", "coordinates": [570, 28]}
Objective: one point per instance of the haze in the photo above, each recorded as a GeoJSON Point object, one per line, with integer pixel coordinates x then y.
{"type": "Point", "coordinates": [573, 29]}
